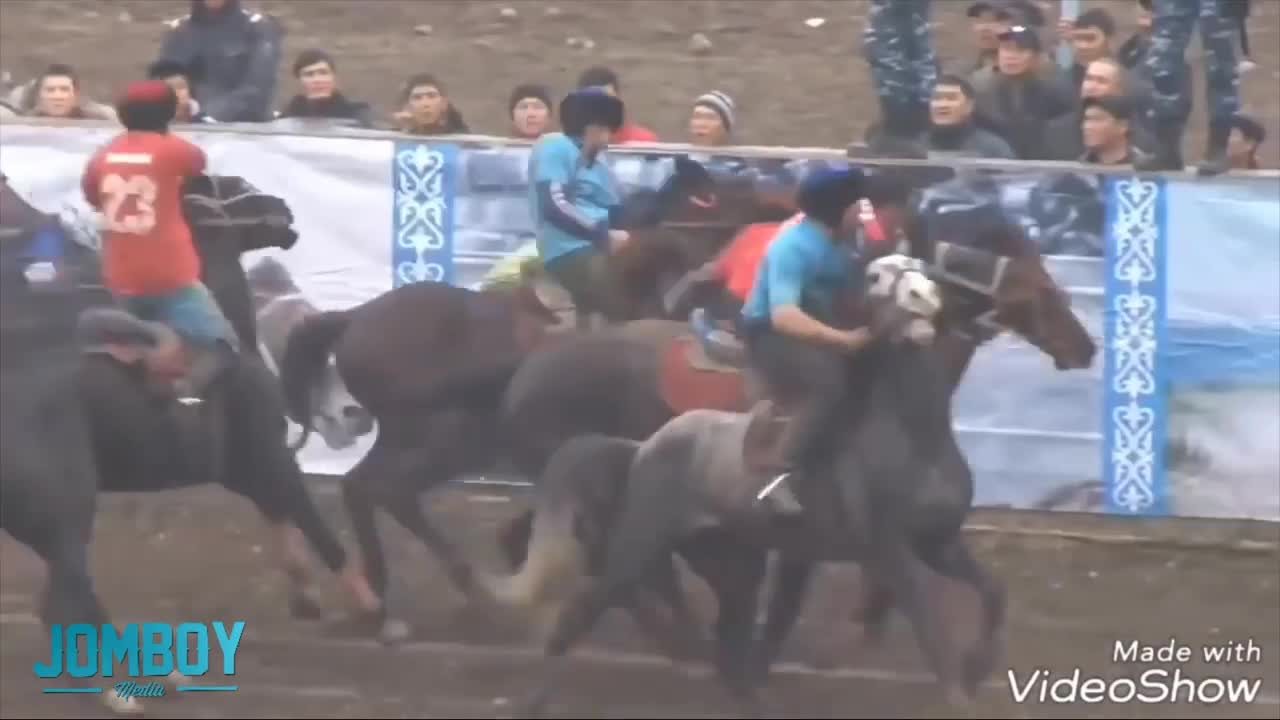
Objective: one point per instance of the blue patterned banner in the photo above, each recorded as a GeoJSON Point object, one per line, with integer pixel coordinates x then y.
{"type": "Point", "coordinates": [422, 225]}
{"type": "Point", "coordinates": [1133, 378]}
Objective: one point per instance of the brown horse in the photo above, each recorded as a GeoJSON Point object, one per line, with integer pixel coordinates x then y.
{"type": "Point", "coordinates": [430, 363]}
{"type": "Point", "coordinates": [630, 380]}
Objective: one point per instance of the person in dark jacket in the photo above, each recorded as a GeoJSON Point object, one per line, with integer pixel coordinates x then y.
{"type": "Point", "coordinates": [425, 109]}
{"type": "Point", "coordinates": [1105, 128]}
{"type": "Point", "coordinates": [1091, 36]}
{"type": "Point", "coordinates": [234, 54]}
{"type": "Point", "coordinates": [1247, 135]}
{"type": "Point", "coordinates": [178, 77]}
{"type": "Point", "coordinates": [320, 98]}
{"type": "Point", "coordinates": [952, 132]}
{"type": "Point", "coordinates": [1019, 102]}
{"type": "Point", "coordinates": [1104, 77]}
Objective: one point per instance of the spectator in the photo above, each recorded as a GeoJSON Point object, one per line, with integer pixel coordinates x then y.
{"type": "Point", "coordinates": [176, 76]}
{"type": "Point", "coordinates": [952, 132]}
{"type": "Point", "coordinates": [1090, 36]}
{"type": "Point", "coordinates": [233, 53]}
{"type": "Point", "coordinates": [55, 93]}
{"type": "Point", "coordinates": [1019, 103]}
{"type": "Point", "coordinates": [986, 20]}
{"type": "Point", "coordinates": [711, 122]}
{"type": "Point", "coordinates": [530, 108]}
{"type": "Point", "coordinates": [1172, 24]}
{"type": "Point", "coordinates": [1247, 135]}
{"type": "Point", "coordinates": [1105, 128]}
{"type": "Point", "coordinates": [1133, 52]}
{"type": "Point", "coordinates": [425, 109]}
{"type": "Point", "coordinates": [1008, 14]}
{"type": "Point", "coordinates": [903, 65]}
{"type": "Point", "coordinates": [606, 78]}
{"type": "Point", "coordinates": [1104, 77]}
{"type": "Point", "coordinates": [320, 98]}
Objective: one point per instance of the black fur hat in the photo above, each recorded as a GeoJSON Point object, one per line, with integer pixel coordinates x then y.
{"type": "Point", "coordinates": [589, 106]}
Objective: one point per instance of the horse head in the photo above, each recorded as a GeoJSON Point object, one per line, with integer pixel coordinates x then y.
{"type": "Point", "coordinates": [996, 280]}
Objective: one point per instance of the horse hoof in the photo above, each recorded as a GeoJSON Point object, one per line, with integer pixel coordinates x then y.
{"type": "Point", "coordinates": [122, 705]}
{"type": "Point", "coordinates": [305, 605]}
{"type": "Point", "coordinates": [394, 631]}
{"type": "Point", "coordinates": [956, 698]}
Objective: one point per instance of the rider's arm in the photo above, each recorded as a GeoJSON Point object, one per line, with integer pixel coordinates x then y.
{"type": "Point", "coordinates": [788, 271]}
{"type": "Point", "coordinates": [552, 172]}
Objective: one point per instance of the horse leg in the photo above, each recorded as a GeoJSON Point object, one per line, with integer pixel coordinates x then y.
{"type": "Point", "coordinates": [790, 588]}
{"type": "Point", "coordinates": [954, 560]}
{"type": "Point", "coordinates": [906, 577]}
{"type": "Point", "coordinates": [579, 616]}
{"type": "Point", "coordinates": [873, 613]}
{"type": "Point", "coordinates": [514, 537]}
{"type": "Point", "coordinates": [665, 583]}
{"type": "Point", "coordinates": [408, 512]}
{"type": "Point", "coordinates": [734, 571]}
{"type": "Point", "coordinates": [69, 598]}
{"type": "Point", "coordinates": [359, 499]}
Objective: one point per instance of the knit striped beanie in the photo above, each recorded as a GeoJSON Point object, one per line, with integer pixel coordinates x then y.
{"type": "Point", "coordinates": [722, 104]}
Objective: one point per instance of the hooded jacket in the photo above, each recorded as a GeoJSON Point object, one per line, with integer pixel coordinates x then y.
{"type": "Point", "coordinates": [234, 53]}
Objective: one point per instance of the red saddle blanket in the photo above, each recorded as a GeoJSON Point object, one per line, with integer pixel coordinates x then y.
{"type": "Point", "coordinates": [685, 387]}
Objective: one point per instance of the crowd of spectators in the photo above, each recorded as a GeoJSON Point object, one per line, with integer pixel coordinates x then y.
{"type": "Point", "coordinates": [1010, 100]}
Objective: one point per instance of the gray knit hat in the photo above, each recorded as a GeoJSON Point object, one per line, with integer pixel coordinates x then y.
{"type": "Point", "coordinates": [722, 104]}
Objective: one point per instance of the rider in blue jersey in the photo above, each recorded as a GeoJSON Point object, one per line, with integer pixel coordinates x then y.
{"type": "Point", "coordinates": [788, 318]}
{"type": "Point", "coordinates": [572, 193]}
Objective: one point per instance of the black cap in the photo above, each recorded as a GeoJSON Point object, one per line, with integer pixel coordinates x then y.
{"type": "Point", "coordinates": [1119, 107]}
{"type": "Point", "coordinates": [980, 7]}
{"type": "Point", "coordinates": [1023, 36]}
{"type": "Point", "coordinates": [1021, 12]}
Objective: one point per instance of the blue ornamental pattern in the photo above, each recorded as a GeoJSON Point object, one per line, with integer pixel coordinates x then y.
{"type": "Point", "coordinates": [1134, 419]}
{"type": "Point", "coordinates": [422, 175]}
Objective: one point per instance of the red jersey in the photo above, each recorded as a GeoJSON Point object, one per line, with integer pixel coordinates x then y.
{"type": "Point", "coordinates": [135, 181]}
{"type": "Point", "coordinates": [738, 266]}
{"type": "Point", "coordinates": [634, 134]}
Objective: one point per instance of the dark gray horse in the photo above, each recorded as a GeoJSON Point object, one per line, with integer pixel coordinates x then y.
{"type": "Point", "coordinates": [891, 492]}
{"type": "Point", "coordinates": [73, 423]}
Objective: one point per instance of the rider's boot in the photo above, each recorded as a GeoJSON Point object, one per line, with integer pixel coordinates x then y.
{"type": "Point", "coordinates": [207, 366]}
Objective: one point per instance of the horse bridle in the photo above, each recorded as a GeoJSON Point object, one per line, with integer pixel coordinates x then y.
{"type": "Point", "coordinates": [985, 325]}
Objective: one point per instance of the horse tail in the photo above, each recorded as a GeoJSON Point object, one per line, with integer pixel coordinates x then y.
{"type": "Point", "coordinates": [306, 354]}
{"type": "Point", "coordinates": [580, 493]}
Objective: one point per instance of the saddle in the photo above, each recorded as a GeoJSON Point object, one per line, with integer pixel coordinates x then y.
{"type": "Point", "coordinates": [106, 329]}
{"type": "Point", "coordinates": [690, 378]}
{"type": "Point", "coordinates": [762, 443]}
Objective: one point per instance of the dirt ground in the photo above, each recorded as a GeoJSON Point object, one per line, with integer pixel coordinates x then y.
{"type": "Point", "coordinates": [201, 554]}
{"type": "Point", "coordinates": [794, 85]}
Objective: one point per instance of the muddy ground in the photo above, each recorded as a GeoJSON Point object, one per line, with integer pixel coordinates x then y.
{"type": "Point", "coordinates": [794, 85]}
{"type": "Point", "coordinates": [202, 554]}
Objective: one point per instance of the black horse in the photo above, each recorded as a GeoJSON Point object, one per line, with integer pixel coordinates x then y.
{"type": "Point", "coordinates": [74, 423]}
{"type": "Point", "coordinates": [891, 491]}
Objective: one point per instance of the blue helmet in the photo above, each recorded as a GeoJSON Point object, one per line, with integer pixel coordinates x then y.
{"type": "Point", "coordinates": [589, 106]}
{"type": "Point", "coordinates": [826, 193]}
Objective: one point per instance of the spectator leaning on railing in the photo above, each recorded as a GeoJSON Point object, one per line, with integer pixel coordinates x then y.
{"type": "Point", "coordinates": [952, 132]}
{"type": "Point", "coordinates": [712, 119]}
{"type": "Point", "coordinates": [55, 93]}
{"type": "Point", "coordinates": [233, 53]}
{"type": "Point", "coordinates": [320, 98]}
{"type": "Point", "coordinates": [530, 109]}
{"type": "Point", "coordinates": [1104, 77]}
{"type": "Point", "coordinates": [1105, 128]}
{"type": "Point", "coordinates": [425, 109]}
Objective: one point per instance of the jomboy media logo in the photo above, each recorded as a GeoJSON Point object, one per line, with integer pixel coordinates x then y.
{"type": "Point", "coordinates": [130, 659]}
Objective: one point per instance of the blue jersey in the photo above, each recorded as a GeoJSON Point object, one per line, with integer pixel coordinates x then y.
{"type": "Point", "coordinates": [803, 268]}
{"type": "Point", "coordinates": [571, 201]}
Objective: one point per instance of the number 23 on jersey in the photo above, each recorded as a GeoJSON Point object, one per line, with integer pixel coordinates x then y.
{"type": "Point", "coordinates": [128, 203]}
